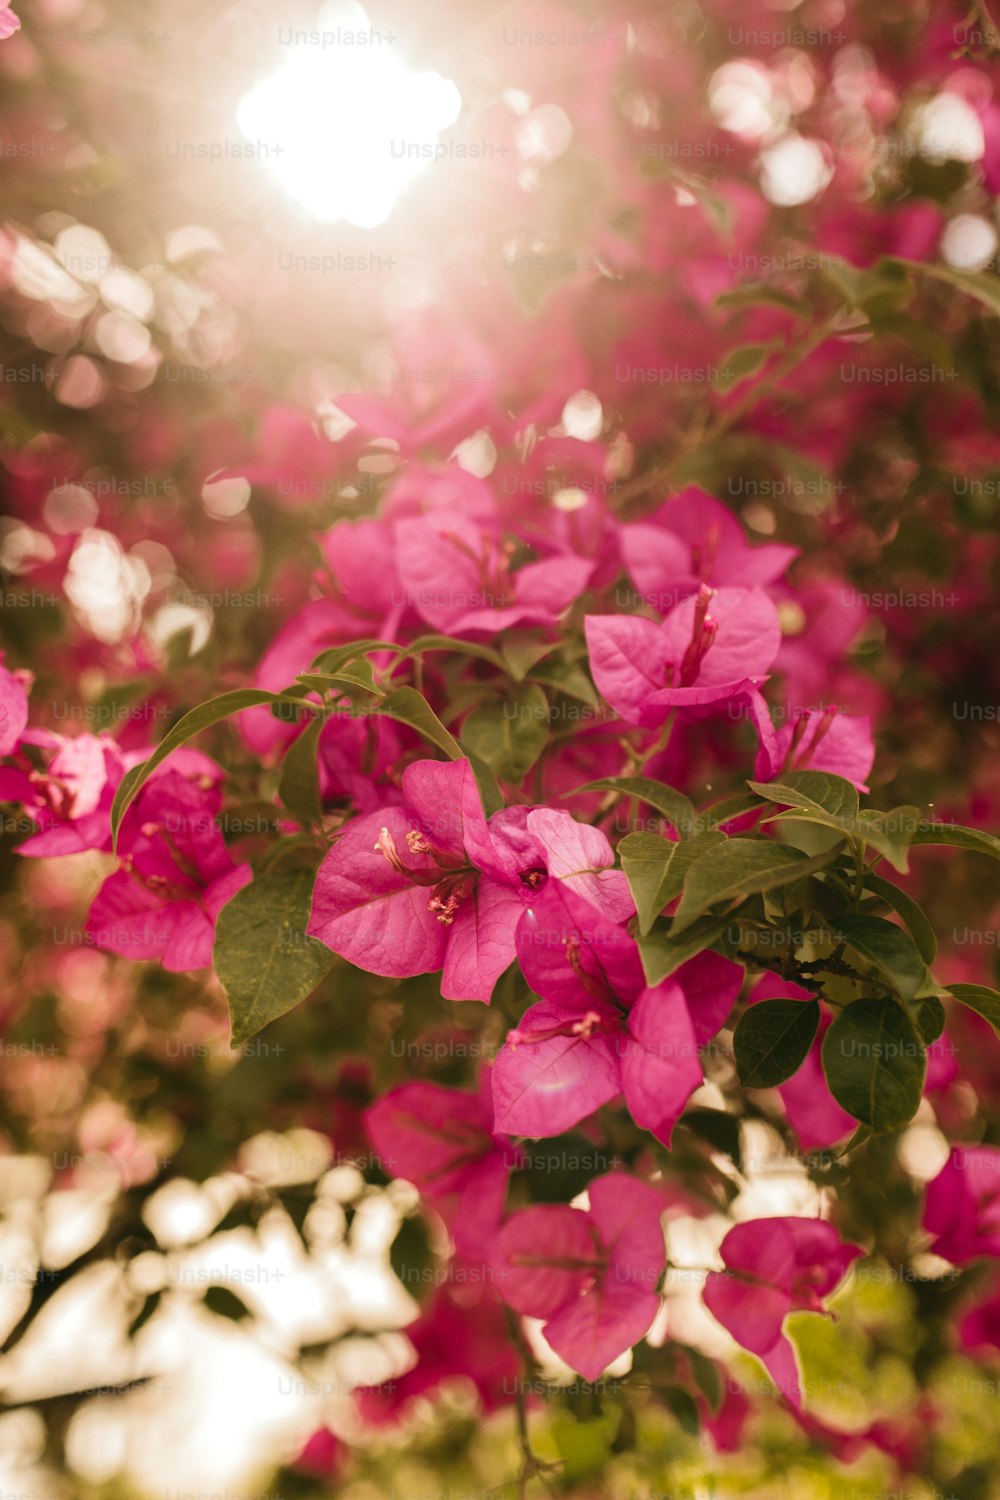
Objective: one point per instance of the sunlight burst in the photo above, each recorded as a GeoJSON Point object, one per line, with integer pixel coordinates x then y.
{"type": "Point", "coordinates": [347, 125]}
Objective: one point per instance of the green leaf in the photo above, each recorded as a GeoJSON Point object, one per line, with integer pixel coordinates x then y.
{"type": "Point", "coordinates": [661, 954]}
{"type": "Point", "coordinates": [352, 679]}
{"type": "Point", "coordinates": [656, 869]}
{"type": "Point", "coordinates": [875, 1063]}
{"type": "Point", "coordinates": [717, 813]}
{"type": "Point", "coordinates": [706, 1374]}
{"type": "Point", "coordinates": [920, 928]}
{"type": "Point", "coordinates": [452, 643]}
{"type": "Point", "coordinates": [817, 790]}
{"type": "Point", "coordinates": [928, 1016]}
{"type": "Point", "coordinates": [980, 285]}
{"type": "Point", "coordinates": [683, 1406]}
{"type": "Point", "coordinates": [333, 659]}
{"type": "Point", "coordinates": [674, 806]}
{"type": "Point", "coordinates": [584, 1446]}
{"type": "Point", "coordinates": [958, 837]}
{"type": "Point", "coordinates": [890, 951]}
{"type": "Point", "coordinates": [263, 958]}
{"type": "Point", "coordinates": [520, 650]}
{"type": "Point", "coordinates": [883, 288]}
{"type": "Point", "coordinates": [410, 707]}
{"type": "Point", "coordinates": [510, 736]}
{"type": "Point", "coordinates": [753, 294]}
{"type": "Point", "coordinates": [817, 797]}
{"type": "Point", "coordinates": [741, 867]}
{"type": "Point", "coordinates": [772, 1040]}
{"type": "Point", "coordinates": [566, 677]}
{"type": "Point", "coordinates": [980, 998]}
{"type": "Point", "coordinates": [739, 364]}
{"type": "Point", "coordinates": [891, 833]}
{"type": "Point", "coordinates": [193, 722]}
{"type": "Point", "coordinates": [298, 784]}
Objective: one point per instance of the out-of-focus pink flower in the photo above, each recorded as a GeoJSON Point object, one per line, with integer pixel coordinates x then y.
{"type": "Point", "coordinates": [9, 23]}
{"type": "Point", "coordinates": [459, 578]}
{"type": "Point", "coordinates": [691, 540]}
{"type": "Point", "coordinates": [176, 876]}
{"type": "Point", "coordinates": [962, 1208]}
{"type": "Point", "coordinates": [13, 698]}
{"type": "Point", "coordinates": [774, 1267]}
{"type": "Point", "coordinates": [443, 1141]}
{"type": "Point", "coordinates": [592, 1276]}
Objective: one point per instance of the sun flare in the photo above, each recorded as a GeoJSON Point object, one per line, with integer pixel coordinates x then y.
{"type": "Point", "coordinates": [345, 125]}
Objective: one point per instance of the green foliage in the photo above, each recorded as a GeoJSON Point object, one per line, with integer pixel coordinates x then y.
{"type": "Point", "coordinates": [772, 1039]}
{"type": "Point", "coordinates": [875, 1063]}
{"type": "Point", "coordinates": [262, 956]}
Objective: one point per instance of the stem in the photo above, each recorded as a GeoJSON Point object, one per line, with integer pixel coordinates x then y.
{"type": "Point", "coordinates": [531, 1465]}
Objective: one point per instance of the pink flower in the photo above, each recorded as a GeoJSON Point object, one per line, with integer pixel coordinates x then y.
{"type": "Point", "coordinates": [459, 577]}
{"type": "Point", "coordinates": [817, 740]}
{"type": "Point", "coordinates": [962, 1209]}
{"type": "Point", "coordinates": [363, 600]}
{"type": "Point", "coordinates": [176, 876]}
{"type": "Point", "coordinates": [443, 1141]}
{"type": "Point", "coordinates": [464, 1334]}
{"type": "Point", "coordinates": [712, 646]}
{"type": "Point", "coordinates": [695, 539]}
{"type": "Point", "coordinates": [71, 798]}
{"type": "Point", "coordinates": [774, 1267]}
{"type": "Point", "coordinates": [13, 698]}
{"type": "Point", "coordinates": [9, 23]}
{"type": "Point", "coordinates": [429, 884]}
{"type": "Point", "coordinates": [592, 1275]}
{"type": "Point", "coordinates": [600, 1031]}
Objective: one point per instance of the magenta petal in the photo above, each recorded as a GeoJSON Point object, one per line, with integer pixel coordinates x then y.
{"type": "Point", "coordinates": [591, 1332]}
{"type": "Point", "coordinates": [13, 702]}
{"type": "Point", "coordinates": [189, 945]}
{"type": "Point", "coordinates": [627, 657]}
{"type": "Point", "coordinates": [440, 576]}
{"type": "Point", "coordinates": [370, 914]}
{"type": "Point", "coordinates": [481, 942]}
{"type": "Point", "coordinates": [444, 794]}
{"type": "Point", "coordinates": [545, 589]}
{"type": "Point", "coordinates": [752, 1313]}
{"type": "Point", "coordinates": [545, 1256]}
{"type": "Point", "coordinates": [541, 1088]}
{"type": "Point", "coordinates": [659, 565]}
{"type": "Point", "coordinates": [711, 985]}
{"type": "Point", "coordinates": [128, 919]}
{"type": "Point", "coordinates": [559, 925]}
{"type": "Point", "coordinates": [660, 1063]}
{"type": "Point", "coordinates": [480, 1208]}
{"type": "Point", "coordinates": [429, 1134]}
{"type": "Point", "coordinates": [749, 635]}
{"type": "Point", "coordinates": [782, 1365]}
{"type": "Point", "coordinates": [582, 858]}
{"type": "Point", "coordinates": [627, 1212]}
{"type": "Point", "coordinates": [812, 1111]}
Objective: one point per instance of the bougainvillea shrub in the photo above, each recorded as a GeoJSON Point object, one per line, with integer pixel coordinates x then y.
{"type": "Point", "coordinates": [498, 757]}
